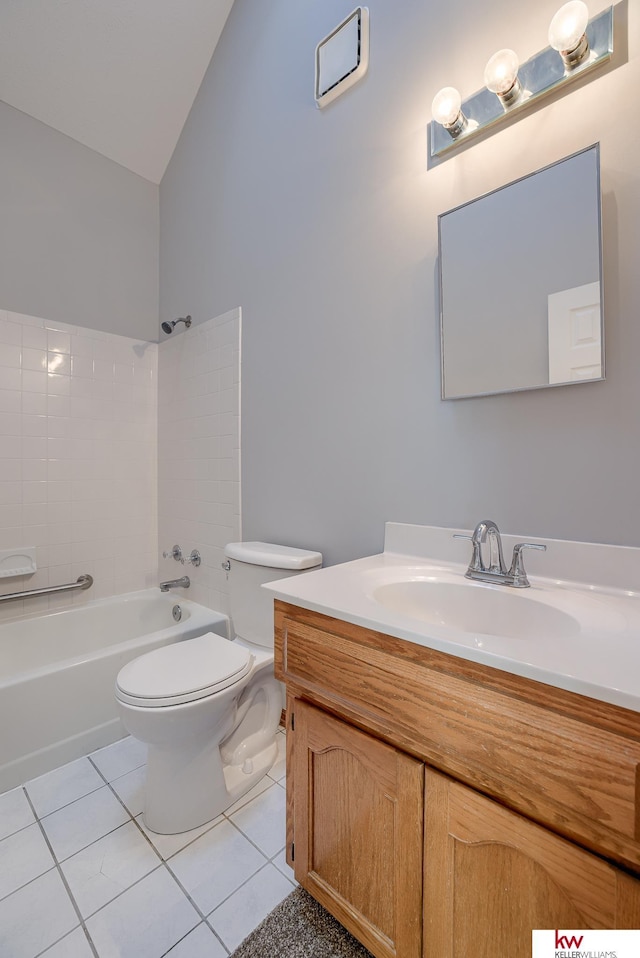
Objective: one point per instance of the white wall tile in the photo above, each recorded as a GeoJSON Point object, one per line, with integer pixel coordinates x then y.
{"type": "Point", "coordinates": [198, 495]}
{"type": "Point", "coordinates": [71, 434]}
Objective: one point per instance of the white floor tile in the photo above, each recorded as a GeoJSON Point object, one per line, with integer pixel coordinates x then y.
{"type": "Point", "coordinates": [23, 857]}
{"type": "Point", "coordinates": [74, 945]}
{"type": "Point", "coordinates": [257, 789]}
{"type": "Point", "coordinates": [15, 812]}
{"type": "Point", "coordinates": [84, 821]}
{"type": "Point", "coordinates": [199, 943]}
{"type": "Point", "coordinates": [263, 820]}
{"type": "Point", "coordinates": [145, 921]}
{"type": "Point", "coordinates": [35, 917]}
{"type": "Point", "coordinates": [62, 786]}
{"type": "Point", "coordinates": [109, 866]}
{"type": "Point", "coordinates": [215, 865]}
{"type": "Point", "coordinates": [244, 910]}
{"type": "Point", "coordinates": [169, 845]}
{"type": "Point", "coordinates": [130, 788]}
{"type": "Point", "coordinates": [121, 757]}
{"type": "Point", "coordinates": [280, 861]}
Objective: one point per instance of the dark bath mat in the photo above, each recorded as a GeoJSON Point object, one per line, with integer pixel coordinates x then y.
{"type": "Point", "coordinates": [300, 928]}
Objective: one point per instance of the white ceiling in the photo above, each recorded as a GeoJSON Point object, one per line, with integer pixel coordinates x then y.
{"type": "Point", "coordinates": [119, 76]}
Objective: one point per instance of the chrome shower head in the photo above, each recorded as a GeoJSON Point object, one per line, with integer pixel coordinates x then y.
{"type": "Point", "coordinates": [170, 326]}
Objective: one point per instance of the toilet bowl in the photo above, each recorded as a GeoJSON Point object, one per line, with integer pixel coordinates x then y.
{"type": "Point", "coordinates": [208, 708]}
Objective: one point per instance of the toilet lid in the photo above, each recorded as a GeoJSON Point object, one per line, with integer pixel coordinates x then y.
{"type": "Point", "coordinates": [183, 672]}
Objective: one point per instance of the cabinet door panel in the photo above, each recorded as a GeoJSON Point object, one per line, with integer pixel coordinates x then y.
{"type": "Point", "coordinates": [492, 876]}
{"type": "Point", "coordinates": [358, 826]}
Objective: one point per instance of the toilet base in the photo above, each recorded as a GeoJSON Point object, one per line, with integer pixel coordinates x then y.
{"type": "Point", "coordinates": [239, 781]}
{"type": "Point", "coordinates": [193, 788]}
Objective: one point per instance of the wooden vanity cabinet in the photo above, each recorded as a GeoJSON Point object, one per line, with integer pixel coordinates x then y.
{"type": "Point", "coordinates": [358, 811]}
{"type": "Point", "coordinates": [443, 809]}
{"type": "Point", "coordinates": [491, 876]}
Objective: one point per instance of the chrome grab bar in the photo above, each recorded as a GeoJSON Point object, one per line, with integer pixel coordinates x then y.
{"type": "Point", "coordinates": [82, 582]}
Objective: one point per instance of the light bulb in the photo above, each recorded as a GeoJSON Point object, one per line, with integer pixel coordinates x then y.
{"type": "Point", "coordinates": [446, 105]}
{"type": "Point", "coordinates": [501, 76]}
{"type": "Point", "coordinates": [567, 32]}
{"type": "Point", "coordinates": [445, 110]}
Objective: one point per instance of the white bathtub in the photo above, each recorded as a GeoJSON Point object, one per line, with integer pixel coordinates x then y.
{"type": "Point", "coordinates": [58, 670]}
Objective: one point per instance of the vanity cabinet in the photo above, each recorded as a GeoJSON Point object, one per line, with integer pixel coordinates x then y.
{"type": "Point", "coordinates": [358, 813]}
{"type": "Point", "coordinates": [441, 808]}
{"type": "Point", "coordinates": [491, 876]}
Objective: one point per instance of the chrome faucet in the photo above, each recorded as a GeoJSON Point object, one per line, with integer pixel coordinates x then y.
{"type": "Point", "coordinates": [496, 571]}
{"type": "Point", "coordinates": [182, 583]}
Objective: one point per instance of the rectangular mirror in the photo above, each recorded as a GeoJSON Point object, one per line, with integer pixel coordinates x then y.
{"type": "Point", "coordinates": [521, 283]}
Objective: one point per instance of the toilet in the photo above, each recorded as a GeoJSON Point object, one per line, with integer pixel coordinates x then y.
{"type": "Point", "coordinates": [209, 708]}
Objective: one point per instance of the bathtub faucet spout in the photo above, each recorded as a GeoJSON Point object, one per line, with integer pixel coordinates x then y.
{"type": "Point", "coordinates": [182, 583]}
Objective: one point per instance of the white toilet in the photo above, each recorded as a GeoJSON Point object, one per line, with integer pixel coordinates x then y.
{"type": "Point", "coordinates": [209, 708]}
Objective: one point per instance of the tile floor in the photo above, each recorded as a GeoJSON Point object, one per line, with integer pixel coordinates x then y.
{"type": "Point", "coordinates": [81, 877]}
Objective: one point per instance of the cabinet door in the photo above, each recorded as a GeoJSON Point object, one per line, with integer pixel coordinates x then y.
{"type": "Point", "coordinates": [358, 830]}
{"type": "Point", "coordinates": [492, 876]}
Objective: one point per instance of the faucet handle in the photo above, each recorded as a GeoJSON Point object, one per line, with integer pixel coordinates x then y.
{"type": "Point", "coordinates": [475, 565]}
{"type": "Point", "coordinates": [516, 575]}
{"type": "Point", "coordinates": [175, 553]}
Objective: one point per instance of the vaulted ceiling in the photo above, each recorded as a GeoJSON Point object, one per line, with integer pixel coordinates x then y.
{"type": "Point", "coordinates": [118, 76]}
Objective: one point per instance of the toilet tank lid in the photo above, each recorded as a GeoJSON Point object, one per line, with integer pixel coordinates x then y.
{"type": "Point", "coordinates": [273, 556]}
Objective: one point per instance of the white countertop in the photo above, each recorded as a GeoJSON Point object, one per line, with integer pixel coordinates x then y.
{"type": "Point", "coordinates": [598, 654]}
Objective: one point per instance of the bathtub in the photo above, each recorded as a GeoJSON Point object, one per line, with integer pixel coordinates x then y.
{"type": "Point", "coordinates": [58, 670]}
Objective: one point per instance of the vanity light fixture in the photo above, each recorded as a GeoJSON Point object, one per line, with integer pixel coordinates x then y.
{"type": "Point", "coordinates": [577, 45]}
{"type": "Point", "coordinates": [501, 77]}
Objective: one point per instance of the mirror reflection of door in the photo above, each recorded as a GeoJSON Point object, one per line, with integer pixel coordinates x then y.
{"type": "Point", "coordinates": [575, 341]}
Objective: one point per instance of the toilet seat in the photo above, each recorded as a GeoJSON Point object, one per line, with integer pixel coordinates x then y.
{"type": "Point", "coordinates": [183, 672]}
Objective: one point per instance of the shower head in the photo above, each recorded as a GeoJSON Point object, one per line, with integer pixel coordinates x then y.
{"type": "Point", "coordinates": [170, 326]}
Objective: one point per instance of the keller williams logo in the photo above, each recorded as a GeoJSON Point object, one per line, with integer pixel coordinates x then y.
{"type": "Point", "coordinates": [564, 941]}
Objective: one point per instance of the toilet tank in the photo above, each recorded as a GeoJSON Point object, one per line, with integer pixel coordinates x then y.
{"type": "Point", "coordinates": [252, 564]}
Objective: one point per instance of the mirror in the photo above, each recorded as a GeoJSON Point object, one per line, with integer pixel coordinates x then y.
{"type": "Point", "coordinates": [521, 282]}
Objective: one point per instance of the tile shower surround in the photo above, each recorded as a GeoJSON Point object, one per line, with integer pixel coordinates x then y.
{"type": "Point", "coordinates": [80, 427]}
{"type": "Point", "coordinates": [199, 452]}
{"type": "Point", "coordinates": [80, 876]}
{"type": "Point", "coordinates": [78, 450]}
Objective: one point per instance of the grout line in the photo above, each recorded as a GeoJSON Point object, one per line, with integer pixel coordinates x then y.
{"type": "Point", "coordinates": [167, 954]}
{"type": "Point", "coordinates": [31, 880]}
{"type": "Point", "coordinates": [231, 894]}
{"type": "Point", "coordinates": [219, 905]}
{"type": "Point", "coordinates": [73, 761]}
{"type": "Point", "coordinates": [194, 905]}
{"type": "Point", "coordinates": [66, 886]}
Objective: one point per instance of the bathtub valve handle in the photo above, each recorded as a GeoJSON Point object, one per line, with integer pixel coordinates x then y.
{"type": "Point", "coordinates": [175, 553]}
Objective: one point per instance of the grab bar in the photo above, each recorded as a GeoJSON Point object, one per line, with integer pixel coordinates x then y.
{"type": "Point", "coordinates": [82, 582]}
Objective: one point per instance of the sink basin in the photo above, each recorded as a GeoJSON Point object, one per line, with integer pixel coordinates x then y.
{"type": "Point", "coordinates": [576, 628]}
{"type": "Point", "coordinates": [479, 609]}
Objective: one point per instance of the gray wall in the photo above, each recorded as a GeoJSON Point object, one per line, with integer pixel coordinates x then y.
{"type": "Point", "coordinates": [322, 225]}
{"type": "Point", "coordinates": [79, 236]}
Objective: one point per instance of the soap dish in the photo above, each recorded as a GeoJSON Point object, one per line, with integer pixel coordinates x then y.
{"type": "Point", "coordinates": [20, 561]}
